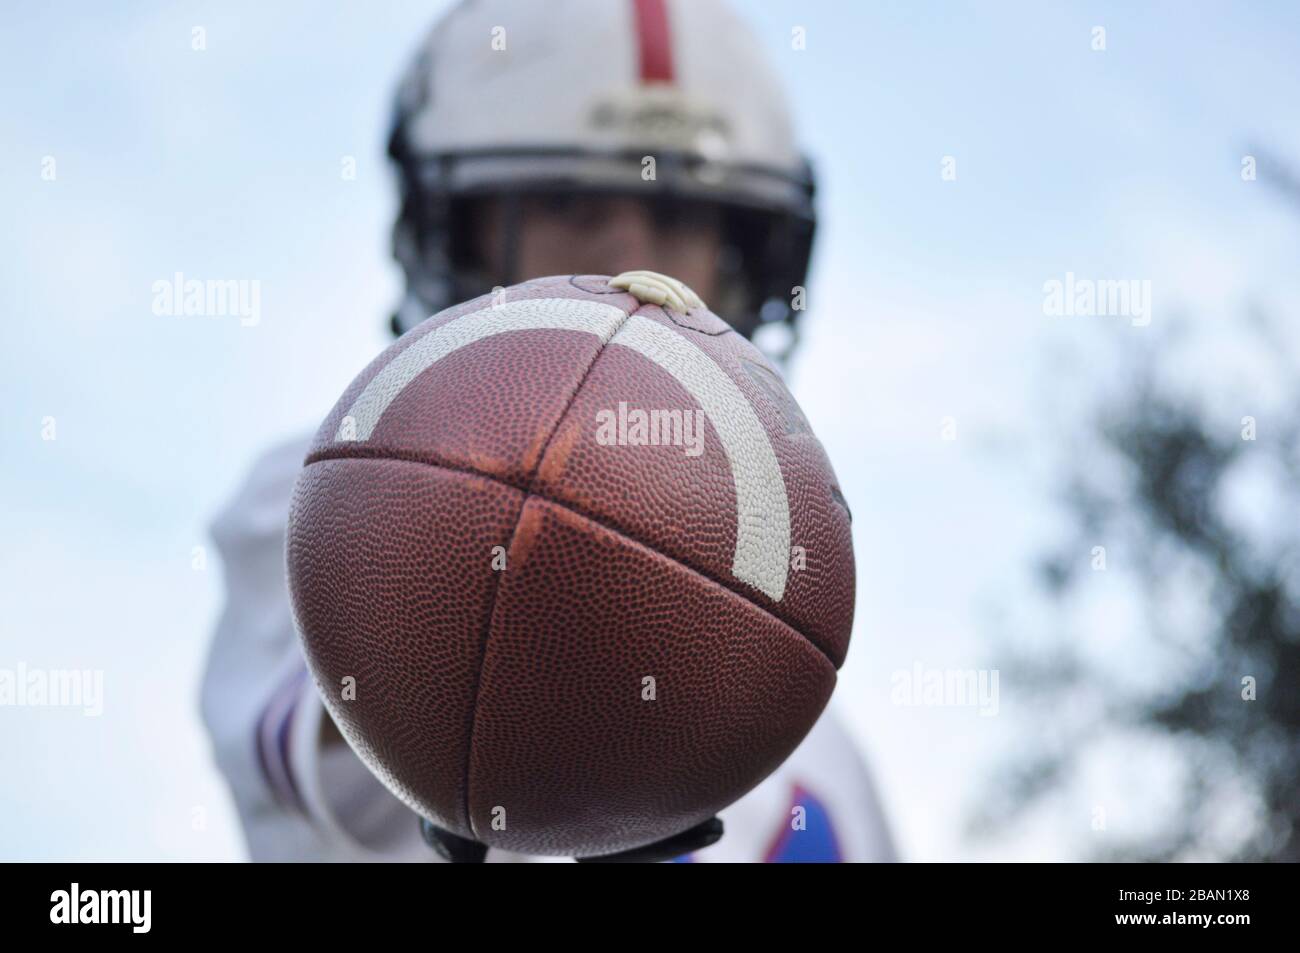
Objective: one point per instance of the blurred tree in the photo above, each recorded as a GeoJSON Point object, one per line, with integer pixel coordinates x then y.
{"type": "Point", "coordinates": [1225, 699]}
{"type": "Point", "coordinates": [1206, 508]}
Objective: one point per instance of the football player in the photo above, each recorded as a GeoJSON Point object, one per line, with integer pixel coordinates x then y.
{"type": "Point", "coordinates": [575, 136]}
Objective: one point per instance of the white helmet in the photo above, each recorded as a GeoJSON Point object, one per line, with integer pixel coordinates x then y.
{"type": "Point", "coordinates": [668, 99]}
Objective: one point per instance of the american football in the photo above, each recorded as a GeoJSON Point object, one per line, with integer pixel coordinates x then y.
{"type": "Point", "coordinates": [677, 433]}
{"type": "Point", "coordinates": [581, 557]}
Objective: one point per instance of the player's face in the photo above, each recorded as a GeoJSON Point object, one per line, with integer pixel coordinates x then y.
{"type": "Point", "coordinates": [606, 235]}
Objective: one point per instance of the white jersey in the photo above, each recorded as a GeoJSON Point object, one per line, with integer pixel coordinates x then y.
{"type": "Point", "coordinates": [301, 800]}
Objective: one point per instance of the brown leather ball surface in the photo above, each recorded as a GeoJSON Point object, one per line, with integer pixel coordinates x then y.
{"type": "Point", "coordinates": [539, 625]}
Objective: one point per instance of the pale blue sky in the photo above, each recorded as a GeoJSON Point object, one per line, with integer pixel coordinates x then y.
{"type": "Point", "coordinates": [925, 302]}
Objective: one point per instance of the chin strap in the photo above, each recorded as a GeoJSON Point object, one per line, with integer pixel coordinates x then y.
{"type": "Point", "coordinates": [461, 850]}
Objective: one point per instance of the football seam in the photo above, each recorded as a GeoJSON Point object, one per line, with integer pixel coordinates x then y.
{"type": "Point", "coordinates": [496, 589]}
{"type": "Point", "coordinates": [478, 673]}
{"type": "Point", "coordinates": [594, 520]}
{"type": "Point", "coordinates": [527, 481]}
{"type": "Point", "coordinates": [568, 404]}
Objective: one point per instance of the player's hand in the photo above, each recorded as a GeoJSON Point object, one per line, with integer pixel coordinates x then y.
{"type": "Point", "coordinates": [461, 850]}
{"type": "Point", "coordinates": [700, 836]}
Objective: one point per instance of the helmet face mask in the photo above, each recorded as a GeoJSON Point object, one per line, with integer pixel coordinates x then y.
{"type": "Point", "coordinates": [558, 120]}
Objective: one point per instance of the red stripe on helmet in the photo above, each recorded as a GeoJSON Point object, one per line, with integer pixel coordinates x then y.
{"type": "Point", "coordinates": [654, 42]}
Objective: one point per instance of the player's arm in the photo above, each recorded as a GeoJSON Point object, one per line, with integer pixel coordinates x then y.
{"type": "Point", "coordinates": [301, 793]}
